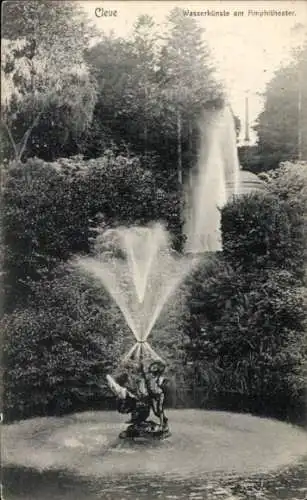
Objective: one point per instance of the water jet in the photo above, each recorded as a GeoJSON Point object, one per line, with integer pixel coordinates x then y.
{"type": "Point", "coordinates": [137, 266]}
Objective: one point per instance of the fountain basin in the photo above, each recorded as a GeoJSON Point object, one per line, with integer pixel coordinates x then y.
{"type": "Point", "coordinates": [202, 443]}
{"type": "Point", "coordinates": [247, 183]}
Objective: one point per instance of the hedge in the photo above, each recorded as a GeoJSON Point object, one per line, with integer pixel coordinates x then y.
{"type": "Point", "coordinates": [248, 308]}
{"type": "Point", "coordinates": [59, 348]}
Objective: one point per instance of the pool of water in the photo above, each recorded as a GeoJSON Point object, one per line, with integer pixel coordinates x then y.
{"type": "Point", "coordinates": [26, 484]}
{"type": "Point", "coordinates": [209, 456]}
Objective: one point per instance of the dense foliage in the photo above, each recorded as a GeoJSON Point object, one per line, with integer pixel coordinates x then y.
{"type": "Point", "coordinates": [282, 125]}
{"type": "Point", "coordinates": [101, 135]}
{"type": "Point", "coordinates": [263, 233]}
{"type": "Point", "coordinates": [42, 223]}
{"type": "Point", "coordinates": [51, 211]}
{"type": "Point", "coordinates": [59, 348]}
{"type": "Point", "coordinates": [64, 97]}
{"type": "Point", "coordinates": [289, 183]}
{"type": "Point", "coordinates": [48, 94]}
{"type": "Point", "coordinates": [248, 319]}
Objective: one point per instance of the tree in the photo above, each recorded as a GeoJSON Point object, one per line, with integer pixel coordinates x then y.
{"type": "Point", "coordinates": [186, 73]}
{"type": "Point", "coordinates": [48, 94]}
{"type": "Point", "coordinates": [143, 89]}
{"type": "Point", "coordinates": [282, 125]}
{"type": "Point", "coordinates": [150, 96]}
{"type": "Point", "coordinates": [126, 74]}
{"type": "Point", "coordinates": [111, 62]}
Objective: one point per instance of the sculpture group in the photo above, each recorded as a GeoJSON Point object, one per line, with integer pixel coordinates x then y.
{"type": "Point", "coordinates": [140, 392]}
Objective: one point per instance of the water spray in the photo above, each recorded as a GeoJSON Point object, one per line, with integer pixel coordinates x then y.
{"type": "Point", "coordinates": [142, 282]}
{"type": "Point", "coordinates": [140, 351]}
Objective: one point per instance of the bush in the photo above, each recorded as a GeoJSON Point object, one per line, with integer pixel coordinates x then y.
{"type": "Point", "coordinates": [126, 193]}
{"type": "Point", "coordinates": [46, 218]}
{"type": "Point", "coordinates": [50, 211]}
{"type": "Point", "coordinates": [58, 350]}
{"type": "Point", "coordinates": [264, 232]}
{"type": "Point", "coordinates": [289, 183]}
{"type": "Point", "coordinates": [248, 308]}
{"type": "Point", "coordinates": [252, 332]}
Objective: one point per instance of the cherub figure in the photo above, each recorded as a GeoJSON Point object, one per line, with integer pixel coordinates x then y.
{"type": "Point", "coordinates": [156, 384]}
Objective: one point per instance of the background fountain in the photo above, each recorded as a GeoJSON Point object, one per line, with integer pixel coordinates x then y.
{"type": "Point", "coordinates": [217, 168]}
{"type": "Point", "coordinates": [137, 265]}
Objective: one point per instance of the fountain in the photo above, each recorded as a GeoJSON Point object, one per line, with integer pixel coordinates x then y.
{"type": "Point", "coordinates": [140, 271]}
{"type": "Point", "coordinates": [216, 169]}
{"type": "Point", "coordinates": [137, 266]}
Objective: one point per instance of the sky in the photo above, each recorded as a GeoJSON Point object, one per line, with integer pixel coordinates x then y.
{"type": "Point", "coordinates": [247, 50]}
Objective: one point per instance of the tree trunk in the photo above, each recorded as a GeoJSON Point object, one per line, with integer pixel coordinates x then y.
{"type": "Point", "coordinates": [191, 152]}
{"type": "Point", "coordinates": [299, 106]}
{"type": "Point", "coordinates": [179, 148]}
{"type": "Point", "coordinates": [145, 122]}
{"type": "Point", "coordinates": [20, 148]}
{"type": "Point", "coordinates": [145, 138]}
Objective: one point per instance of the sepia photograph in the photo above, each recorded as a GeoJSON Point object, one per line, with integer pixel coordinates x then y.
{"type": "Point", "coordinates": [153, 244]}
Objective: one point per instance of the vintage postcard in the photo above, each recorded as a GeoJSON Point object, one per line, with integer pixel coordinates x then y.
{"type": "Point", "coordinates": [153, 250]}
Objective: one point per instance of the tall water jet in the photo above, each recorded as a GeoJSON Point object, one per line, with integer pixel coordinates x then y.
{"type": "Point", "coordinates": [217, 165]}
{"type": "Point", "coordinates": [140, 271]}
{"type": "Point", "coordinates": [137, 266]}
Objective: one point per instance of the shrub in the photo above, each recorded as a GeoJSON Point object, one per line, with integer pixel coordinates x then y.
{"type": "Point", "coordinates": [50, 211]}
{"type": "Point", "coordinates": [46, 218]}
{"type": "Point", "coordinates": [263, 231]}
{"type": "Point", "coordinates": [58, 350]}
{"type": "Point", "coordinates": [248, 308]}
{"type": "Point", "coordinates": [289, 183]}
{"type": "Point", "coordinates": [252, 332]}
{"type": "Point", "coordinates": [126, 194]}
